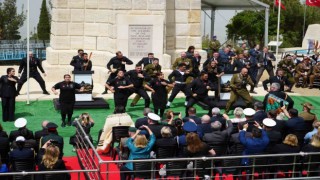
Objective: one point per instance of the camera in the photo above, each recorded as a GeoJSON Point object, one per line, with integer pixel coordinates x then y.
{"type": "Point", "coordinates": [141, 128]}
{"type": "Point", "coordinates": [176, 113]}
{"type": "Point", "coordinates": [54, 142]}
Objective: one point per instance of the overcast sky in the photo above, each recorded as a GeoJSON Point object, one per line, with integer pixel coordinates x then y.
{"type": "Point", "coordinates": [222, 18]}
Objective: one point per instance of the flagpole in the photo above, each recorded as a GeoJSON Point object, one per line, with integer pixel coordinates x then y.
{"type": "Point", "coordinates": [278, 31]}
{"type": "Point", "coordinates": [28, 49]}
{"type": "Point", "coordinates": [304, 19]}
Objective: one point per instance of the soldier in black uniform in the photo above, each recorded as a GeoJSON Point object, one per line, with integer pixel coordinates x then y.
{"type": "Point", "coordinates": [180, 76]}
{"type": "Point", "coordinates": [137, 76]}
{"type": "Point", "coordinates": [76, 61]}
{"type": "Point", "coordinates": [199, 88]}
{"type": "Point", "coordinates": [120, 87]}
{"type": "Point", "coordinates": [146, 60]}
{"type": "Point", "coordinates": [118, 63]}
{"type": "Point", "coordinates": [8, 94]}
{"type": "Point", "coordinates": [67, 97]}
{"type": "Point", "coordinates": [159, 92]}
{"type": "Point", "coordinates": [86, 64]}
{"type": "Point", "coordinates": [33, 65]}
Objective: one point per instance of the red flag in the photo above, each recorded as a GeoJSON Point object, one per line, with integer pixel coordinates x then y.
{"type": "Point", "coordinates": [282, 6]}
{"type": "Point", "coordinates": [313, 3]}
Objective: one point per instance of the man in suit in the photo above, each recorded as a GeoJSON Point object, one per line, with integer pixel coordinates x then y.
{"type": "Point", "coordinates": [205, 124]}
{"type": "Point", "coordinates": [196, 59]}
{"type": "Point", "coordinates": [226, 57]}
{"type": "Point", "coordinates": [218, 136]}
{"type": "Point", "coordinates": [265, 63]}
{"type": "Point", "coordinates": [192, 116]}
{"type": "Point", "coordinates": [294, 123]}
{"type": "Point", "coordinates": [285, 85]}
{"type": "Point", "coordinates": [146, 60]}
{"type": "Point", "coordinates": [21, 153]}
{"type": "Point", "coordinates": [215, 57]}
{"type": "Point", "coordinates": [253, 70]}
{"type": "Point", "coordinates": [43, 132]}
{"type": "Point", "coordinates": [76, 61]}
{"type": "Point", "coordinates": [143, 121]}
{"type": "Point", "coordinates": [260, 114]}
{"type": "Point", "coordinates": [34, 64]}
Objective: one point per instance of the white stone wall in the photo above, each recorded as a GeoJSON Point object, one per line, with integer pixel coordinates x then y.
{"type": "Point", "coordinates": [92, 26]}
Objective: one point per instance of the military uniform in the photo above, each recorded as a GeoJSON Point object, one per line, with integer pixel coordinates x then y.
{"type": "Point", "coordinates": [287, 66]}
{"type": "Point", "coordinates": [151, 70]}
{"type": "Point", "coordinates": [304, 71]}
{"type": "Point", "coordinates": [214, 46]}
{"type": "Point", "coordinates": [315, 74]}
{"type": "Point", "coordinates": [8, 93]}
{"type": "Point", "coordinates": [76, 62]}
{"type": "Point", "coordinates": [120, 95]}
{"type": "Point", "coordinates": [238, 85]}
{"type": "Point", "coordinates": [308, 116]}
{"type": "Point", "coordinates": [186, 61]}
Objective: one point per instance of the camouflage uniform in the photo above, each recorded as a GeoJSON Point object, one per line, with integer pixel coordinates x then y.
{"type": "Point", "coordinates": [315, 74]}
{"type": "Point", "coordinates": [304, 71]}
{"type": "Point", "coordinates": [287, 66]}
{"type": "Point", "coordinates": [238, 85]}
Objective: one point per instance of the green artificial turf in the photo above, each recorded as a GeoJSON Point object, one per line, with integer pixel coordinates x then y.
{"type": "Point", "coordinates": [38, 111]}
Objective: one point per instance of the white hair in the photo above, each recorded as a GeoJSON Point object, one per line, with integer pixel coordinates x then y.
{"type": "Point", "coordinates": [215, 111]}
{"type": "Point", "coordinates": [238, 112]}
{"type": "Point", "coordinates": [276, 86]}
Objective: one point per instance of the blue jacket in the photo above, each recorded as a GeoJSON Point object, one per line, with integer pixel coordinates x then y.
{"type": "Point", "coordinates": [253, 145]}
{"type": "Point", "coordinates": [295, 124]}
{"type": "Point", "coordinates": [138, 153]}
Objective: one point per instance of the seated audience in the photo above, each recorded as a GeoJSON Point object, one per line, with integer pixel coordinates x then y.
{"type": "Point", "coordinates": [289, 145]}
{"type": "Point", "coordinates": [294, 123]}
{"type": "Point", "coordinates": [192, 115]}
{"type": "Point", "coordinates": [197, 148]}
{"type": "Point", "coordinates": [139, 148]}
{"type": "Point", "coordinates": [21, 153]}
{"type": "Point", "coordinates": [54, 137]}
{"type": "Point", "coordinates": [2, 132]}
{"type": "Point", "coordinates": [248, 114]}
{"type": "Point", "coordinates": [238, 112]}
{"type": "Point", "coordinates": [275, 137]}
{"type": "Point", "coordinates": [218, 136]}
{"type": "Point", "coordinates": [3, 168]}
{"type": "Point", "coordinates": [167, 139]}
{"type": "Point", "coordinates": [255, 144]}
{"type": "Point", "coordinates": [217, 116]}
{"type": "Point", "coordinates": [308, 136]}
{"type": "Point", "coordinates": [314, 145]}
{"type": "Point", "coordinates": [43, 132]}
{"type": "Point", "coordinates": [21, 123]}
{"type": "Point", "coordinates": [307, 115]}
{"type": "Point", "coordinates": [144, 120]}
{"type": "Point", "coordinates": [205, 124]}
{"type": "Point", "coordinates": [50, 161]}
{"type": "Point", "coordinates": [235, 145]}
{"type": "Point", "coordinates": [260, 114]}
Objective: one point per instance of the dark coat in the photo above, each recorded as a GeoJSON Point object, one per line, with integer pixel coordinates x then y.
{"type": "Point", "coordinates": [275, 79]}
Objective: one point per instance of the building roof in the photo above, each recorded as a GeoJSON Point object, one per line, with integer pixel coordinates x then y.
{"type": "Point", "coordinates": [233, 4]}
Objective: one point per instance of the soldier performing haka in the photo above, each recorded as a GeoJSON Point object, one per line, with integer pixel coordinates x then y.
{"type": "Point", "coordinates": [120, 86]}
{"type": "Point", "coordinates": [34, 63]}
{"type": "Point", "coordinates": [151, 70]}
{"type": "Point", "coordinates": [137, 76]}
{"type": "Point", "coordinates": [180, 84]}
{"type": "Point", "coordinates": [238, 88]}
{"type": "Point", "coordinates": [86, 64]}
{"type": "Point", "coordinates": [315, 74]}
{"type": "Point", "coordinates": [118, 63]}
{"type": "Point", "coordinates": [303, 70]}
{"type": "Point", "coordinates": [199, 88]}
{"type": "Point", "coordinates": [76, 61]}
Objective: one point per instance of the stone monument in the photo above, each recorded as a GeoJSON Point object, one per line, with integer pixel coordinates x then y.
{"type": "Point", "coordinates": [135, 27]}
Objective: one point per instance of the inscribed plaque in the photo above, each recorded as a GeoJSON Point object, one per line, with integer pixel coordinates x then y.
{"type": "Point", "coordinates": [140, 40]}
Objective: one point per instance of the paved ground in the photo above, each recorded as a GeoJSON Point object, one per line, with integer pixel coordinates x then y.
{"type": "Point", "coordinates": [36, 93]}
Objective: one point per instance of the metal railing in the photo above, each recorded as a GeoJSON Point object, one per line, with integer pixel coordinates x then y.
{"type": "Point", "coordinates": [215, 166]}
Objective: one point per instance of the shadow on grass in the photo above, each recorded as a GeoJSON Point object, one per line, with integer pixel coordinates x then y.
{"type": "Point", "coordinates": [22, 114]}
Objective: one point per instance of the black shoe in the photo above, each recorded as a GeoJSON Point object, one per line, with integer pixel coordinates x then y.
{"type": "Point", "coordinates": [105, 92]}
{"type": "Point", "coordinates": [253, 92]}
{"type": "Point", "coordinates": [167, 107]}
{"type": "Point", "coordinates": [63, 124]}
{"type": "Point", "coordinates": [69, 123]}
{"type": "Point", "coordinates": [132, 105]}
{"type": "Point", "coordinates": [46, 92]}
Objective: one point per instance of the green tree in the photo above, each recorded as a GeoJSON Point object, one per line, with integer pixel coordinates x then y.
{"type": "Point", "coordinates": [249, 25]}
{"type": "Point", "coordinates": [10, 20]}
{"type": "Point", "coordinates": [44, 23]}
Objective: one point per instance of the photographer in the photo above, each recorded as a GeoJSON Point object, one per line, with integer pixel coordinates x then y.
{"type": "Point", "coordinates": [238, 89]}
{"type": "Point", "coordinates": [86, 123]}
{"type": "Point", "coordinates": [49, 160]}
